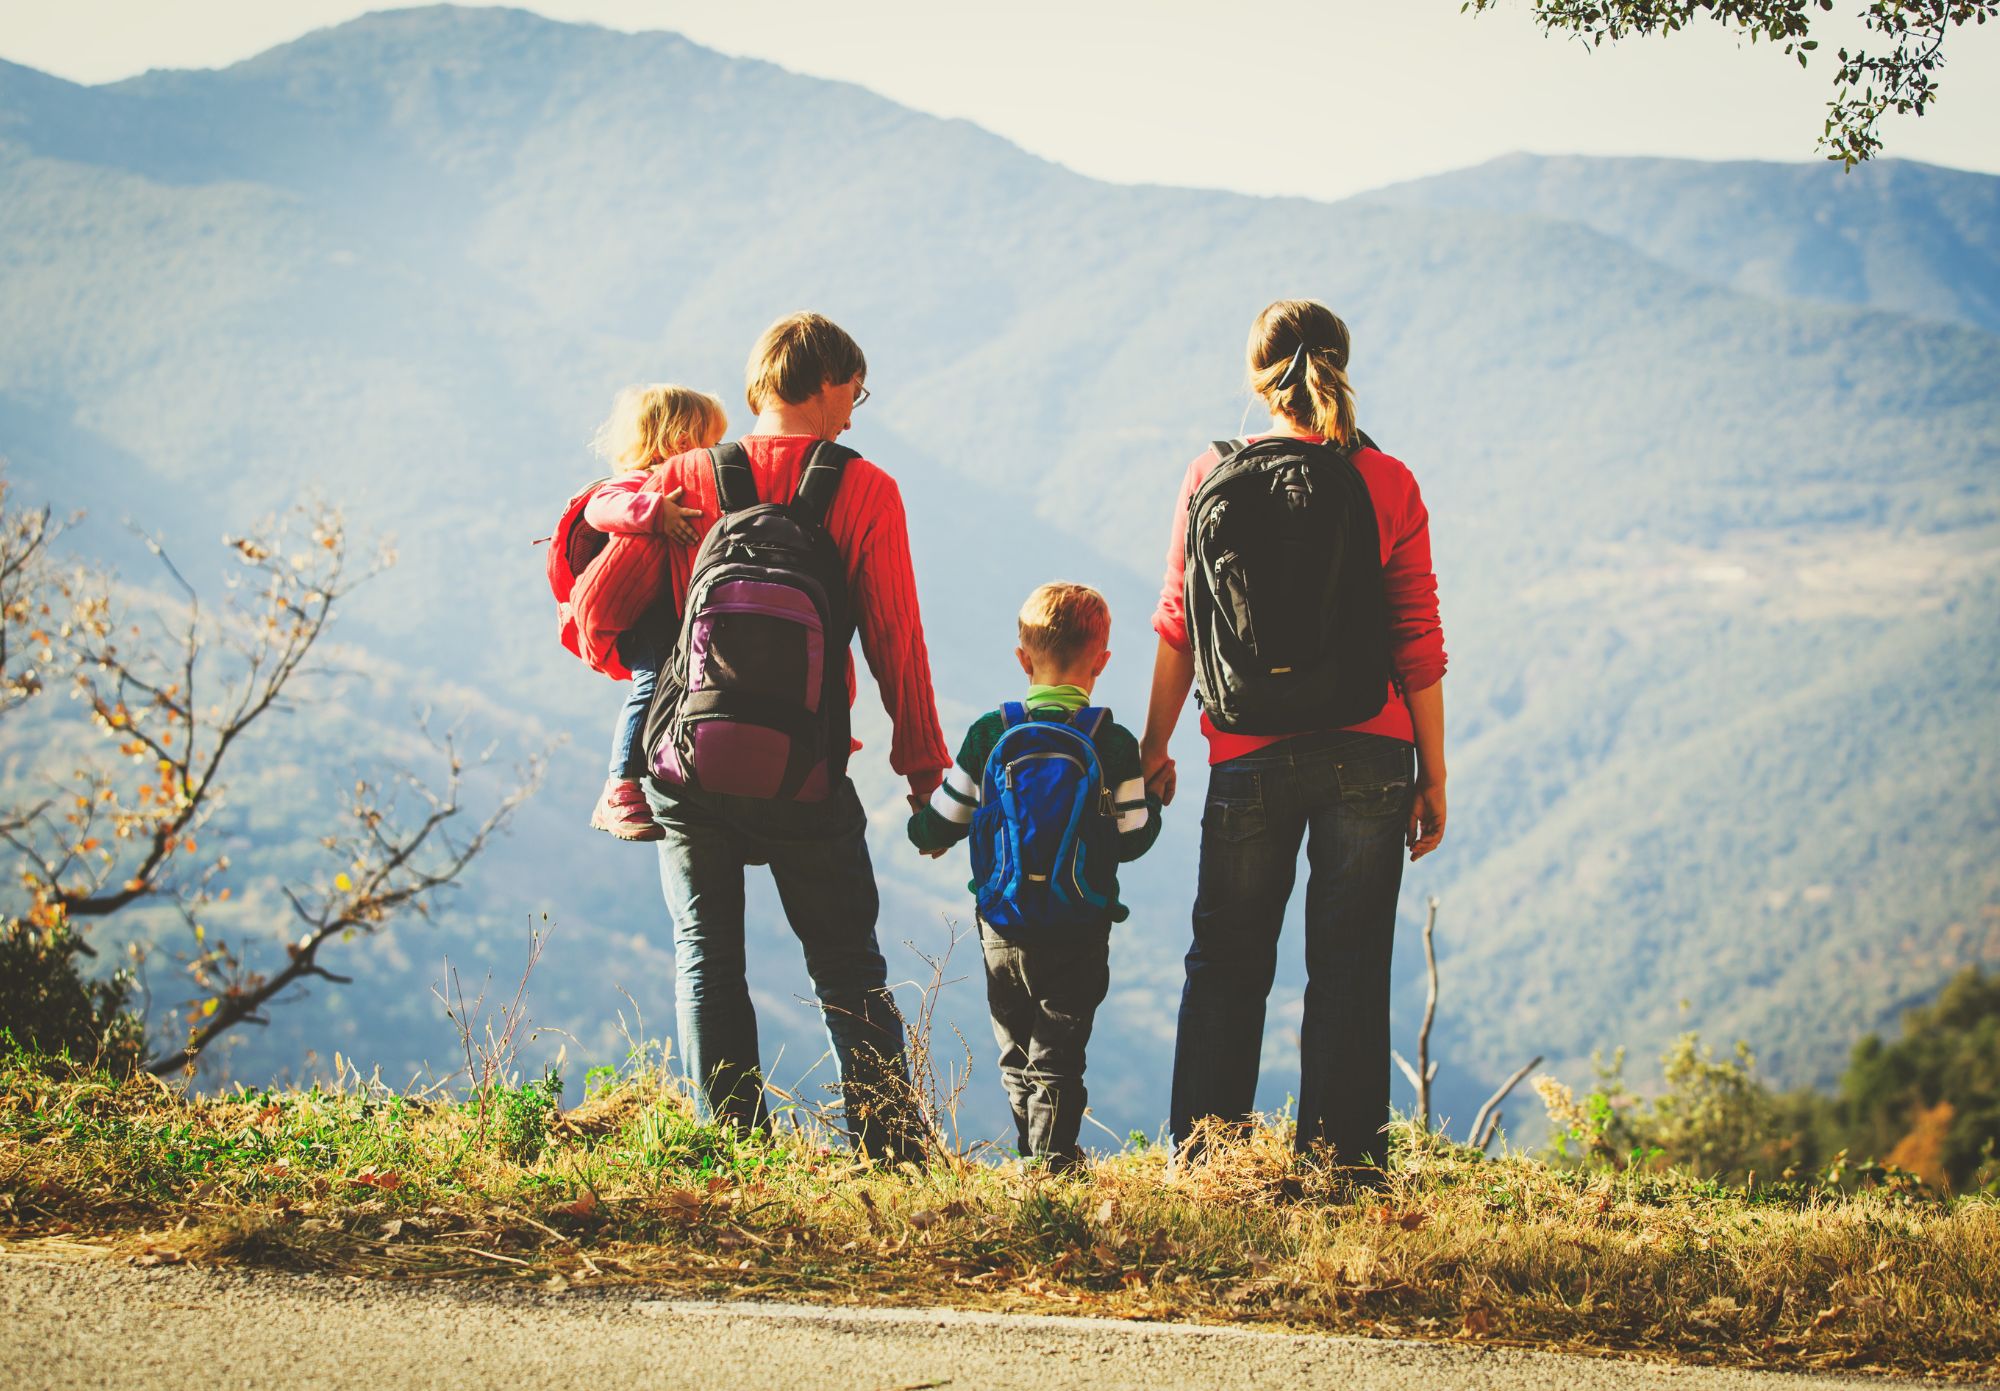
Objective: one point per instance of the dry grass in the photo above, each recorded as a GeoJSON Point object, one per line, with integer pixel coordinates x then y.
{"type": "Point", "coordinates": [631, 1187]}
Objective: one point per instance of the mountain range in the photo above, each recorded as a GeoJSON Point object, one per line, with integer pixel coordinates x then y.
{"type": "Point", "coordinates": [1709, 451]}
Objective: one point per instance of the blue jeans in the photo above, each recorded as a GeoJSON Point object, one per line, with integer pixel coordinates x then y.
{"type": "Point", "coordinates": [628, 754]}
{"type": "Point", "coordinates": [1348, 796]}
{"type": "Point", "coordinates": [819, 859]}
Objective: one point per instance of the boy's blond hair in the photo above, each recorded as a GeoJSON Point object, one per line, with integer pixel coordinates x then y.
{"type": "Point", "coordinates": [649, 424]}
{"type": "Point", "coordinates": [1065, 622]}
{"type": "Point", "coordinates": [797, 356]}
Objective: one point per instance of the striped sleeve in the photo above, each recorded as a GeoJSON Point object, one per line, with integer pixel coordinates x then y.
{"type": "Point", "coordinates": [957, 797]}
{"type": "Point", "coordinates": [947, 818]}
{"type": "Point", "coordinates": [1137, 810]}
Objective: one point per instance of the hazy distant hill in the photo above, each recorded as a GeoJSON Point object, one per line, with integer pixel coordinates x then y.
{"type": "Point", "coordinates": [1719, 569]}
{"type": "Point", "coordinates": [1890, 234]}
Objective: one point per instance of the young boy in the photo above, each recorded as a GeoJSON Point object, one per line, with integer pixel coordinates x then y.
{"type": "Point", "coordinates": [1049, 789]}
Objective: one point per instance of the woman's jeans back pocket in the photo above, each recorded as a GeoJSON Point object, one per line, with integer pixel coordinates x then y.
{"type": "Point", "coordinates": [1234, 810]}
{"type": "Point", "coordinates": [1377, 786]}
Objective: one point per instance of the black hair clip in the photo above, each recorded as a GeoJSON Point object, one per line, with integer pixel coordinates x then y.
{"type": "Point", "coordinates": [1297, 357]}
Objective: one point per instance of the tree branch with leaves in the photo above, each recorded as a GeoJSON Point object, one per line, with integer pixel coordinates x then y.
{"type": "Point", "coordinates": [1896, 74]}
{"type": "Point", "coordinates": [176, 689]}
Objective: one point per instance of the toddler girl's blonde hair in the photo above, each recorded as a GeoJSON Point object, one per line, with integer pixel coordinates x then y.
{"type": "Point", "coordinates": [650, 423]}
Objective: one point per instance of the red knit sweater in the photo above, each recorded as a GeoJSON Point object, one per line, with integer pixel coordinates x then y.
{"type": "Point", "coordinates": [866, 522]}
{"type": "Point", "coordinates": [1416, 638]}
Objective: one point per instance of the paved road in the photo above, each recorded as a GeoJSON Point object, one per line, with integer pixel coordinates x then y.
{"type": "Point", "coordinates": [73, 1322]}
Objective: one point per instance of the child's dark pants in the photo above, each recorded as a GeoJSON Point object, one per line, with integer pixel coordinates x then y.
{"type": "Point", "coordinates": [1043, 990]}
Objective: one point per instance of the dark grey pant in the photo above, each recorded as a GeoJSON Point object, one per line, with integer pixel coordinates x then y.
{"type": "Point", "coordinates": [1043, 991]}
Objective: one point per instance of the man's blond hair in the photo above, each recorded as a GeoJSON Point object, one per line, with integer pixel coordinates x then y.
{"type": "Point", "coordinates": [1065, 622]}
{"type": "Point", "coordinates": [797, 356]}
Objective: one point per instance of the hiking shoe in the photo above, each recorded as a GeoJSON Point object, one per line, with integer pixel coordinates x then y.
{"type": "Point", "coordinates": [622, 811]}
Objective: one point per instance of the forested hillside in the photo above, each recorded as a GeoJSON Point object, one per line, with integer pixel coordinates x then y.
{"type": "Point", "coordinates": [1888, 234]}
{"type": "Point", "coordinates": [1719, 564]}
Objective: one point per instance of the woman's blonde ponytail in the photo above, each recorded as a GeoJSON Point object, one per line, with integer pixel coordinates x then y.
{"type": "Point", "coordinates": [1298, 364]}
{"type": "Point", "coordinates": [1332, 397]}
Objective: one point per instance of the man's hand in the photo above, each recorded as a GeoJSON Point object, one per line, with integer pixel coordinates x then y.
{"type": "Point", "coordinates": [934, 854]}
{"type": "Point", "coordinates": [1158, 769]}
{"type": "Point", "coordinates": [1426, 819]}
{"type": "Point", "coordinates": [676, 521]}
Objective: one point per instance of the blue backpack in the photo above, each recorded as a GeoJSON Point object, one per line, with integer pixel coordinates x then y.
{"type": "Point", "coordinates": [1045, 840]}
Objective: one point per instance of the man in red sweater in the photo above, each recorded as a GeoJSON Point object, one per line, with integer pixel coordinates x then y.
{"type": "Point", "coordinates": [804, 381]}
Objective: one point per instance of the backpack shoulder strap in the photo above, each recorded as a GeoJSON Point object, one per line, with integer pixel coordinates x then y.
{"type": "Point", "coordinates": [1088, 721]}
{"type": "Point", "coordinates": [819, 480]}
{"type": "Point", "coordinates": [1225, 450]}
{"type": "Point", "coordinates": [735, 485]}
{"type": "Point", "coordinates": [1013, 713]}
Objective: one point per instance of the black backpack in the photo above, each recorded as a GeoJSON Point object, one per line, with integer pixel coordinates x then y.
{"type": "Point", "coordinates": [754, 699]}
{"type": "Point", "coordinates": [1283, 589]}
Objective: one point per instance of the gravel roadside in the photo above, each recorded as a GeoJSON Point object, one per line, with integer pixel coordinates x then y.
{"type": "Point", "coordinates": [77, 1321]}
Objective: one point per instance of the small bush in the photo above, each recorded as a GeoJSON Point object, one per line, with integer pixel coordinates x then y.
{"type": "Point", "coordinates": [524, 1114]}
{"type": "Point", "coordinates": [50, 1007]}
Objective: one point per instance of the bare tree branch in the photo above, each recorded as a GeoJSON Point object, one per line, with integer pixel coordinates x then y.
{"type": "Point", "coordinates": [125, 831]}
{"type": "Point", "coordinates": [1488, 1120]}
{"type": "Point", "coordinates": [392, 874]}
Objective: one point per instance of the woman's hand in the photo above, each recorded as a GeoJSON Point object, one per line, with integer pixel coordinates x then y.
{"type": "Point", "coordinates": [1173, 678]}
{"type": "Point", "coordinates": [676, 521]}
{"type": "Point", "coordinates": [1426, 818]}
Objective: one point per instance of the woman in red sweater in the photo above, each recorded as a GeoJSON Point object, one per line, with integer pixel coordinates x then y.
{"type": "Point", "coordinates": [1358, 796]}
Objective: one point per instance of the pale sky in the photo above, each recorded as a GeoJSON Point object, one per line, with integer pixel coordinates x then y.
{"type": "Point", "coordinates": [1315, 97]}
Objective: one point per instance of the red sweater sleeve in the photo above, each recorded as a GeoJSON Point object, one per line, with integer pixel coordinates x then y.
{"type": "Point", "coordinates": [884, 588]}
{"type": "Point", "coordinates": [1170, 617]}
{"type": "Point", "coordinates": [1409, 584]}
{"type": "Point", "coordinates": [614, 593]}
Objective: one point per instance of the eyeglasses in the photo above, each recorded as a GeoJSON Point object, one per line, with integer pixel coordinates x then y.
{"type": "Point", "coordinates": [860, 395]}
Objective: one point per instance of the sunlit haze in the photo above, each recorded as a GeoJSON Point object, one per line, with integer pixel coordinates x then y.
{"type": "Point", "coordinates": [1315, 97]}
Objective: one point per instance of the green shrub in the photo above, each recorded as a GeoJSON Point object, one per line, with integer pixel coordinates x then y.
{"type": "Point", "coordinates": [51, 1007]}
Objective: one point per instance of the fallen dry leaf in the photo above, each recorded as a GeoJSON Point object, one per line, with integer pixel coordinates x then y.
{"type": "Point", "coordinates": [584, 1206]}
{"type": "Point", "coordinates": [1409, 1221]}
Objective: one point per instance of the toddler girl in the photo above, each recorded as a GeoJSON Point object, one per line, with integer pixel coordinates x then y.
{"type": "Point", "coordinates": [647, 425]}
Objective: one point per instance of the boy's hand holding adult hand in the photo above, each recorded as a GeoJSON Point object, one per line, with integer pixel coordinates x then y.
{"type": "Point", "coordinates": [1427, 817]}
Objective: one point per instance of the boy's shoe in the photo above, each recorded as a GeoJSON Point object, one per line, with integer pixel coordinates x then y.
{"type": "Point", "coordinates": [622, 811]}
{"type": "Point", "coordinates": [1069, 1161]}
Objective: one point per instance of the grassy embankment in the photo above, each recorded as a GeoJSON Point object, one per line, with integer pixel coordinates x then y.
{"type": "Point", "coordinates": [631, 1188]}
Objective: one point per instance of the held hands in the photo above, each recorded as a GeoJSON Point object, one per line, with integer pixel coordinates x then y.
{"type": "Point", "coordinates": [1427, 818]}
{"type": "Point", "coordinates": [917, 804]}
{"type": "Point", "coordinates": [676, 521]}
{"type": "Point", "coordinates": [1158, 769]}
